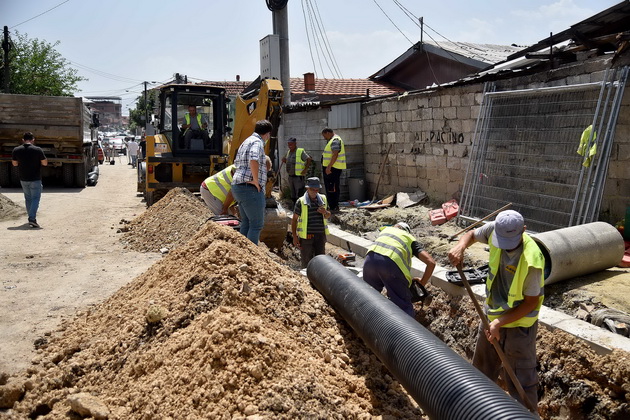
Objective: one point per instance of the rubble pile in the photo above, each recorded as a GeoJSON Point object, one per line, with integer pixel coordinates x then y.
{"type": "Point", "coordinates": [167, 224]}
{"type": "Point", "coordinates": [9, 209]}
{"type": "Point", "coordinates": [232, 334]}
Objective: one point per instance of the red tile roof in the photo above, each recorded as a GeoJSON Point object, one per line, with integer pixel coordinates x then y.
{"type": "Point", "coordinates": [325, 89]}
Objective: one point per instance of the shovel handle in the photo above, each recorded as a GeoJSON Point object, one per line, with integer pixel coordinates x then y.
{"type": "Point", "coordinates": [502, 356]}
{"type": "Point", "coordinates": [479, 221]}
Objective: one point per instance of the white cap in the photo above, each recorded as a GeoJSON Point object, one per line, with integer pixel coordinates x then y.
{"type": "Point", "coordinates": [403, 226]}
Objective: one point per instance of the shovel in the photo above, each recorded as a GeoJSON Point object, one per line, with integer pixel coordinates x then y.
{"type": "Point", "coordinates": [504, 361]}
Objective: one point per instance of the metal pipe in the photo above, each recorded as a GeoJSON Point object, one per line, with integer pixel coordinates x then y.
{"type": "Point", "coordinates": [443, 384]}
{"type": "Point", "coordinates": [579, 250]}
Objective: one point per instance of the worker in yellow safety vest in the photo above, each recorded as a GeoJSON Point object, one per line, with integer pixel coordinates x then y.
{"type": "Point", "coordinates": [195, 130]}
{"type": "Point", "coordinates": [333, 162]}
{"type": "Point", "coordinates": [297, 163]}
{"type": "Point", "coordinates": [388, 264]}
{"type": "Point", "coordinates": [216, 191]}
{"type": "Point", "coordinates": [309, 224]}
{"type": "Point", "coordinates": [514, 295]}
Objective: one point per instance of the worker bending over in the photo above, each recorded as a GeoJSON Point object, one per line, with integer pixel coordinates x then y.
{"type": "Point", "coordinates": [309, 225]}
{"type": "Point", "coordinates": [514, 290]}
{"type": "Point", "coordinates": [388, 264]}
{"type": "Point", "coordinates": [216, 191]}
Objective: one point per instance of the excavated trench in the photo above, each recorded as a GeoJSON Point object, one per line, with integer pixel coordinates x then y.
{"type": "Point", "coordinates": [220, 328]}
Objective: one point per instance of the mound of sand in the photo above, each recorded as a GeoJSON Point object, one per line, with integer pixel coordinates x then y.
{"type": "Point", "coordinates": [169, 223]}
{"type": "Point", "coordinates": [10, 210]}
{"type": "Point", "coordinates": [239, 335]}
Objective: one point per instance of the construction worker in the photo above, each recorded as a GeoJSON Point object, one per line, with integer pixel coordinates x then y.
{"type": "Point", "coordinates": [297, 163]}
{"type": "Point", "coordinates": [388, 264]}
{"type": "Point", "coordinates": [333, 162]}
{"type": "Point", "coordinates": [309, 224]}
{"type": "Point", "coordinates": [195, 126]}
{"type": "Point", "coordinates": [216, 191]}
{"type": "Point", "coordinates": [514, 295]}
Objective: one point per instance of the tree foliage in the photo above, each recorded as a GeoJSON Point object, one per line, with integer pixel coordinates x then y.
{"type": "Point", "coordinates": [36, 68]}
{"type": "Point", "coordinates": [137, 115]}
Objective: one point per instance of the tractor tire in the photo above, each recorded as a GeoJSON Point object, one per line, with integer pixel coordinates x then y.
{"type": "Point", "coordinates": [80, 175]}
{"type": "Point", "coordinates": [153, 197]}
{"type": "Point", "coordinates": [67, 175]}
{"type": "Point", "coordinates": [274, 231]}
{"type": "Point", "coordinates": [5, 174]}
{"type": "Point", "coordinates": [15, 177]}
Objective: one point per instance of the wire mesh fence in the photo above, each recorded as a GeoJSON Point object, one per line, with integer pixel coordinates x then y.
{"type": "Point", "coordinates": [525, 152]}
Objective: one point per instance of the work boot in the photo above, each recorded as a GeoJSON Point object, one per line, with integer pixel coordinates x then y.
{"type": "Point", "coordinates": [33, 223]}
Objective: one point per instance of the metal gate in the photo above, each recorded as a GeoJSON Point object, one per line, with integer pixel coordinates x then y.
{"type": "Point", "coordinates": [525, 146]}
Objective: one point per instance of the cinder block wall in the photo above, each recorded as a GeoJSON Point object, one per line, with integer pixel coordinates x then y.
{"type": "Point", "coordinates": [430, 134]}
{"type": "Point", "coordinates": [306, 127]}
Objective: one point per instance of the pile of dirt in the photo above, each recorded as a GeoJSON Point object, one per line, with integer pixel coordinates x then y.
{"type": "Point", "coordinates": [167, 224]}
{"type": "Point", "coordinates": [10, 210]}
{"type": "Point", "coordinates": [233, 334]}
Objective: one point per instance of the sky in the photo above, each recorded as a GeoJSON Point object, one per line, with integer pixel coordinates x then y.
{"type": "Point", "coordinates": [119, 44]}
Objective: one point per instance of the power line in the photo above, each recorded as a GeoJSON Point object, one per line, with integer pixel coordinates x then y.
{"type": "Point", "coordinates": [315, 39]}
{"type": "Point", "coordinates": [386, 15]}
{"type": "Point", "coordinates": [308, 38]}
{"type": "Point", "coordinates": [104, 74]}
{"type": "Point", "coordinates": [43, 13]}
{"type": "Point", "coordinates": [327, 42]}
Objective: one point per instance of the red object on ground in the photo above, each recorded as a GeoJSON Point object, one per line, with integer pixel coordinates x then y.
{"type": "Point", "coordinates": [625, 260]}
{"type": "Point", "coordinates": [451, 208]}
{"type": "Point", "coordinates": [437, 217]}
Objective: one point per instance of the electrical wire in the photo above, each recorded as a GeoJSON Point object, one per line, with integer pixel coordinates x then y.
{"type": "Point", "coordinates": [390, 19]}
{"type": "Point", "coordinates": [315, 39]}
{"type": "Point", "coordinates": [104, 74]}
{"type": "Point", "coordinates": [308, 38]}
{"type": "Point", "coordinates": [327, 42]}
{"type": "Point", "coordinates": [43, 13]}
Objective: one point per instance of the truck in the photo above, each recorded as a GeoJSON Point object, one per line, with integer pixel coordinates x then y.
{"type": "Point", "coordinates": [170, 162]}
{"type": "Point", "coordinates": [64, 128]}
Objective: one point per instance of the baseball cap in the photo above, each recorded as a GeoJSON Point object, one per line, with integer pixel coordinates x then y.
{"type": "Point", "coordinates": [508, 229]}
{"type": "Point", "coordinates": [291, 140]}
{"type": "Point", "coordinates": [403, 226]}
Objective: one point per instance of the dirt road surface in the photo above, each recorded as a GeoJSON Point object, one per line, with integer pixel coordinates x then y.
{"type": "Point", "coordinates": [74, 261]}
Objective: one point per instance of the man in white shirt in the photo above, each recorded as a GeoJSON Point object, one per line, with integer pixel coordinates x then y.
{"type": "Point", "coordinates": [132, 149]}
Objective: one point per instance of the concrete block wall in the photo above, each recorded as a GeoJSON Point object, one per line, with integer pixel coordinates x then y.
{"type": "Point", "coordinates": [306, 127]}
{"type": "Point", "coordinates": [430, 134]}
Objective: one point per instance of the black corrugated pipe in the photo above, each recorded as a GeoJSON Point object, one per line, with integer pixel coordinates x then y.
{"type": "Point", "coordinates": [443, 384]}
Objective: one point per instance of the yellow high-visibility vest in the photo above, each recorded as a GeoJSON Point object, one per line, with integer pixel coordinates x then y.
{"type": "Point", "coordinates": [299, 163]}
{"type": "Point", "coordinates": [187, 117]}
{"type": "Point", "coordinates": [340, 163]}
{"type": "Point", "coordinates": [531, 257]}
{"type": "Point", "coordinates": [220, 183]}
{"type": "Point", "coordinates": [302, 222]}
{"type": "Point", "coordinates": [395, 244]}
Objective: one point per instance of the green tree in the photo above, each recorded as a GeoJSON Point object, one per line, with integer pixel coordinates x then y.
{"type": "Point", "coordinates": [136, 116]}
{"type": "Point", "coordinates": [36, 68]}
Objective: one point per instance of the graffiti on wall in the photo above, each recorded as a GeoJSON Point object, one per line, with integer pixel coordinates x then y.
{"type": "Point", "coordinates": [441, 137]}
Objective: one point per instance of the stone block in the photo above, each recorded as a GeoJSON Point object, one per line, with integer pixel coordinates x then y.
{"type": "Point", "coordinates": [450, 112]}
{"type": "Point", "coordinates": [622, 152]}
{"type": "Point", "coordinates": [619, 170]}
{"type": "Point", "coordinates": [390, 117]}
{"type": "Point", "coordinates": [445, 101]}
{"type": "Point", "coordinates": [454, 163]}
{"type": "Point", "coordinates": [474, 111]}
{"type": "Point", "coordinates": [432, 173]}
{"type": "Point", "coordinates": [438, 114]}
{"type": "Point", "coordinates": [463, 112]}
{"type": "Point", "coordinates": [468, 99]}
{"type": "Point", "coordinates": [434, 101]}
{"type": "Point", "coordinates": [431, 162]}
{"type": "Point", "coordinates": [427, 114]}
{"type": "Point", "coordinates": [423, 101]}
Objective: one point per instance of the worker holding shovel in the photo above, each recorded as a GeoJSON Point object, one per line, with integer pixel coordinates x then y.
{"type": "Point", "coordinates": [514, 295]}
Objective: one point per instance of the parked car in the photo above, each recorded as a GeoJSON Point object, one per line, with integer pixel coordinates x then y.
{"type": "Point", "coordinates": [119, 145]}
{"type": "Point", "coordinates": [100, 153]}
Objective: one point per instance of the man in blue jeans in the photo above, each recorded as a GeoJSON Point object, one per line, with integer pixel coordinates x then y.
{"type": "Point", "coordinates": [248, 183]}
{"type": "Point", "coordinates": [29, 159]}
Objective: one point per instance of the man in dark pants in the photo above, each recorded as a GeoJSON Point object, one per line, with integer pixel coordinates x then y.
{"type": "Point", "coordinates": [309, 226]}
{"type": "Point", "coordinates": [297, 163]}
{"type": "Point", "coordinates": [333, 162]}
{"type": "Point", "coordinates": [388, 264]}
{"type": "Point", "coordinates": [29, 159]}
{"type": "Point", "coordinates": [514, 295]}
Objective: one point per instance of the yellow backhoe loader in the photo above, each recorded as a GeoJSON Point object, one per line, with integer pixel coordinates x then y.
{"type": "Point", "coordinates": [179, 156]}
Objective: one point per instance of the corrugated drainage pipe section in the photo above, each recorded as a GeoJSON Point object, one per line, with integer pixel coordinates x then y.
{"type": "Point", "coordinates": [443, 384]}
{"type": "Point", "coordinates": [579, 250]}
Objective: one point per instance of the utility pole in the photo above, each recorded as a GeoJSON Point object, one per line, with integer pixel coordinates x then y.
{"type": "Point", "coordinates": [6, 46]}
{"type": "Point", "coordinates": [281, 28]}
